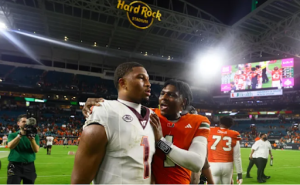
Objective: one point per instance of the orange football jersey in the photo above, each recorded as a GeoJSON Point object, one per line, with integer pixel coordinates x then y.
{"type": "Point", "coordinates": [181, 135]}
{"type": "Point", "coordinates": [221, 143]}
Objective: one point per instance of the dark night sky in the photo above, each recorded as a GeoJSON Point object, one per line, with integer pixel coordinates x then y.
{"type": "Point", "coordinates": [227, 11]}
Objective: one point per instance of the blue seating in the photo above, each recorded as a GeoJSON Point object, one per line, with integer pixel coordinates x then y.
{"type": "Point", "coordinates": [25, 76]}
{"type": "Point", "coordinates": [4, 69]}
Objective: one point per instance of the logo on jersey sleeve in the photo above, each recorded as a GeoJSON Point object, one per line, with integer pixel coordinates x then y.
{"type": "Point", "coordinates": [127, 118]}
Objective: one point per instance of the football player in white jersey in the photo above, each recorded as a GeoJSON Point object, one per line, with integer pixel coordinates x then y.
{"type": "Point", "coordinates": [49, 143]}
{"type": "Point", "coordinates": [118, 142]}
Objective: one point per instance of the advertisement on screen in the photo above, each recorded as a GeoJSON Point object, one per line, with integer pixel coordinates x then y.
{"type": "Point", "coordinates": [258, 75]}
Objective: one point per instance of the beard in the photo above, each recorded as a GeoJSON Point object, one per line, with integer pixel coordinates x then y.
{"type": "Point", "coordinates": [145, 101]}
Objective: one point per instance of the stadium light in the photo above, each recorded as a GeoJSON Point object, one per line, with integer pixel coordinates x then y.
{"type": "Point", "coordinates": [210, 65]}
{"type": "Point", "coordinates": [3, 26]}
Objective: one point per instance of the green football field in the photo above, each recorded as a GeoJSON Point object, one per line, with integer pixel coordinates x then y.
{"type": "Point", "coordinates": [57, 168]}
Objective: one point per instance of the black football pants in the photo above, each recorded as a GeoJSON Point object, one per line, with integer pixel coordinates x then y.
{"type": "Point", "coordinates": [16, 172]}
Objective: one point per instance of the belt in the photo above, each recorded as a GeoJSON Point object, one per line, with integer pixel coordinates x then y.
{"type": "Point", "coordinates": [21, 163]}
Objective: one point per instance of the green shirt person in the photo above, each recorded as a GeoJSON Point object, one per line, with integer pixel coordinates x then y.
{"type": "Point", "coordinates": [22, 155]}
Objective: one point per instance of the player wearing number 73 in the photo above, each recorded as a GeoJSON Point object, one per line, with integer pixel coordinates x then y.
{"type": "Point", "coordinates": [223, 150]}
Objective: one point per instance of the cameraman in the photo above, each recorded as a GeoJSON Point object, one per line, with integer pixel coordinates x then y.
{"type": "Point", "coordinates": [22, 154]}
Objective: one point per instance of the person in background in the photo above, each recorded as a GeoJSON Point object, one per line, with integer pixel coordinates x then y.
{"type": "Point", "coordinates": [261, 151]}
{"type": "Point", "coordinates": [223, 151]}
{"type": "Point", "coordinates": [22, 155]}
{"type": "Point", "coordinates": [49, 143]}
{"type": "Point", "coordinates": [4, 140]}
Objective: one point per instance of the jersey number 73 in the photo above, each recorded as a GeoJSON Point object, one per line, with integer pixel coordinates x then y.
{"type": "Point", "coordinates": [217, 141]}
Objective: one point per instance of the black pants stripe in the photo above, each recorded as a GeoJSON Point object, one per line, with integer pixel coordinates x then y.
{"type": "Point", "coordinates": [261, 165]}
{"type": "Point", "coordinates": [16, 172]}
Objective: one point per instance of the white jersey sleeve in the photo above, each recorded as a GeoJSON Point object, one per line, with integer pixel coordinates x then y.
{"type": "Point", "coordinates": [99, 115]}
{"type": "Point", "coordinates": [237, 158]}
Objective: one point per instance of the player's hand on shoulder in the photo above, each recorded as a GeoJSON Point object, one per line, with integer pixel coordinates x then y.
{"type": "Point", "coordinates": [90, 102]}
{"type": "Point", "coordinates": [154, 121]}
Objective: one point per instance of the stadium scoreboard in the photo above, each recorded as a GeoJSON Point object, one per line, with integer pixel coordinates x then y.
{"type": "Point", "coordinates": [265, 78]}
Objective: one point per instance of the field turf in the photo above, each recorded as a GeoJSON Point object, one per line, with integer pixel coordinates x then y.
{"type": "Point", "coordinates": [57, 167]}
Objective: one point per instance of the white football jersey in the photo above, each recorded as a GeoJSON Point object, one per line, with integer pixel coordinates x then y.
{"type": "Point", "coordinates": [130, 147]}
{"type": "Point", "coordinates": [49, 140]}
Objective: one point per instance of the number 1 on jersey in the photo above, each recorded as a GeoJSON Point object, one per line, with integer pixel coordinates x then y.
{"type": "Point", "coordinates": [145, 144]}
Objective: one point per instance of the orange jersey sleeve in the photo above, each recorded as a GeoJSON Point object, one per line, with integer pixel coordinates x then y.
{"type": "Point", "coordinates": [181, 134]}
{"type": "Point", "coordinates": [221, 143]}
{"type": "Point", "coordinates": [204, 125]}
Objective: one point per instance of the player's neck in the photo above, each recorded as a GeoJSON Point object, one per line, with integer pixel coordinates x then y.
{"type": "Point", "coordinates": [173, 117]}
{"type": "Point", "coordinates": [136, 106]}
{"type": "Point", "coordinates": [126, 98]}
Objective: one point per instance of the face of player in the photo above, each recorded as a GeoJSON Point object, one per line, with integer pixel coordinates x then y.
{"type": "Point", "coordinates": [170, 102]}
{"type": "Point", "coordinates": [22, 123]}
{"type": "Point", "coordinates": [136, 85]}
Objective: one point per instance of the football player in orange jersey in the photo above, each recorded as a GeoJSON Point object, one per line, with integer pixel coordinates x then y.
{"type": "Point", "coordinates": [184, 135]}
{"type": "Point", "coordinates": [223, 150]}
{"type": "Point", "coordinates": [187, 132]}
{"type": "Point", "coordinates": [276, 76]}
{"type": "Point", "coordinates": [204, 176]}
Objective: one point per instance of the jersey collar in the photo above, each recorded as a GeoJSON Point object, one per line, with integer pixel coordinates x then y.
{"type": "Point", "coordinates": [135, 106]}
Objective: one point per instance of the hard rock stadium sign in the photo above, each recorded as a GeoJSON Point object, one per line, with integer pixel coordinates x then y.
{"type": "Point", "coordinates": [139, 13]}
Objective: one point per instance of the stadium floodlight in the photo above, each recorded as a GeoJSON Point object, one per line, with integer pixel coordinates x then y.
{"type": "Point", "coordinates": [210, 65]}
{"type": "Point", "coordinates": [3, 26]}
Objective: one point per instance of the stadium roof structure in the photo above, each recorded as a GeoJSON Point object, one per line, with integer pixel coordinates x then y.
{"type": "Point", "coordinates": [271, 29]}
{"type": "Point", "coordinates": [275, 25]}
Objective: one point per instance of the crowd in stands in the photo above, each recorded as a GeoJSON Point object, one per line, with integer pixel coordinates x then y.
{"type": "Point", "coordinates": [51, 121]}
{"type": "Point", "coordinates": [54, 80]}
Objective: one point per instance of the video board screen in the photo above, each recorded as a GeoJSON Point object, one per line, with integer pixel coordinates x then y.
{"type": "Point", "coordinates": [258, 75]}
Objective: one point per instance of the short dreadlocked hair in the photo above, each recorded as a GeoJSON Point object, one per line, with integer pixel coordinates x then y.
{"type": "Point", "coordinates": [122, 70]}
{"type": "Point", "coordinates": [183, 89]}
{"type": "Point", "coordinates": [227, 121]}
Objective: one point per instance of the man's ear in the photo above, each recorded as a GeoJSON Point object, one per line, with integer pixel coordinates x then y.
{"type": "Point", "coordinates": [184, 101]}
{"type": "Point", "coordinates": [122, 83]}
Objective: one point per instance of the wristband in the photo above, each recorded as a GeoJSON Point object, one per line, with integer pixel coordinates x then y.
{"type": "Point", "coordinates": [20, 135]}
{"type": "Point", "coordinates": [164, 145]}
{"type": "Point", "coordinates": [240, 176]}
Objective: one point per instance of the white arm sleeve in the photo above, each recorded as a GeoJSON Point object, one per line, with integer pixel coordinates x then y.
{"type": "Point", "coordinates": [100, 116]}
{"type": "Point", "coordinates": [192, 159]}
{"type": "Point", "coordinates": [237, 158]}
